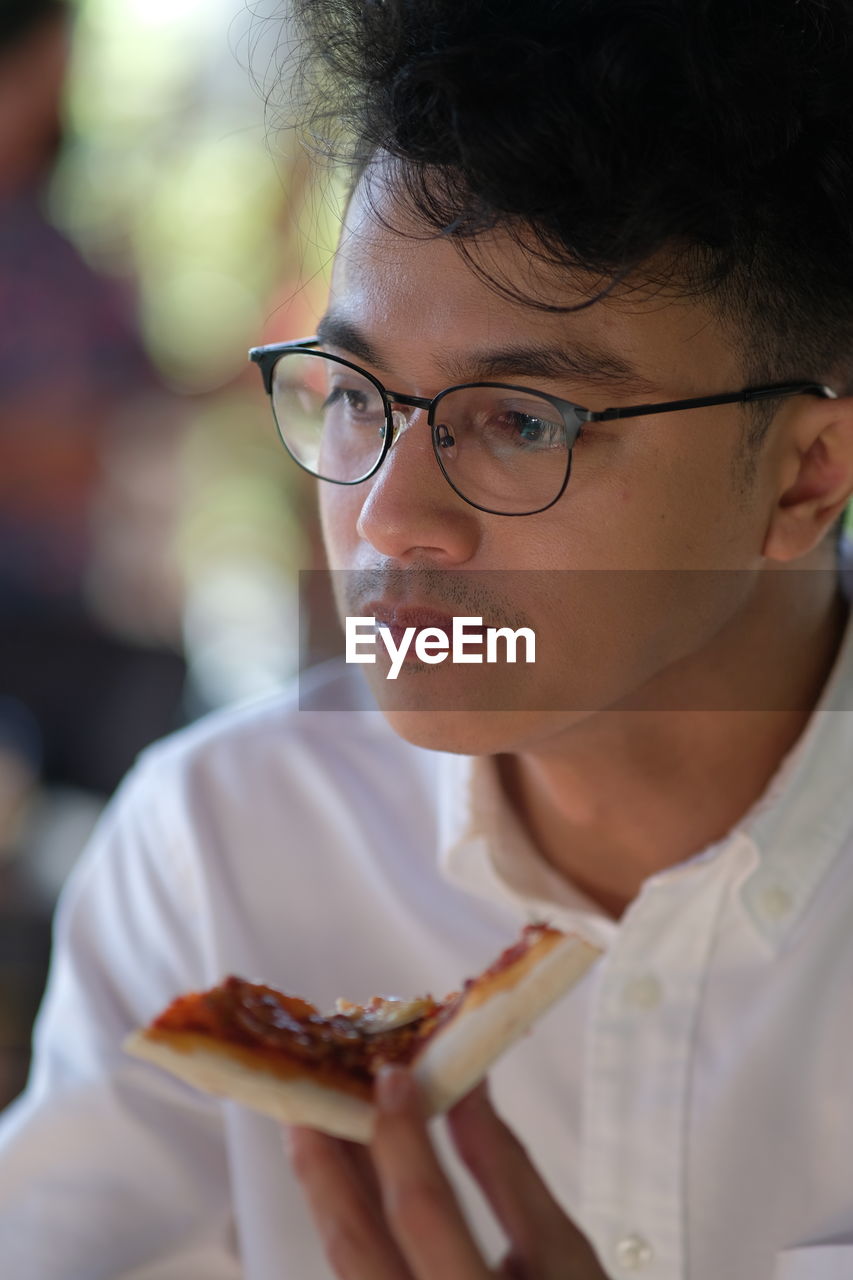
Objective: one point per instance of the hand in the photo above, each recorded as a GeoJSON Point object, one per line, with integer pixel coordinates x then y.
{"type": "Point", "coordinates": [389, 1212]}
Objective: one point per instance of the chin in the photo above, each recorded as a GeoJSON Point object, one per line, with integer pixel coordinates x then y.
{"type": "Point", "coordinates": [459, 732]}
{"type": "Point", "coordinates": [466, 715]}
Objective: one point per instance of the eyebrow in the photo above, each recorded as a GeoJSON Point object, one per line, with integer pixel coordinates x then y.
{"type": "Point", "coordinates": [581, 362]}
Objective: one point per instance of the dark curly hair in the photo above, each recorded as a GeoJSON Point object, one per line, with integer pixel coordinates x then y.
{"type": "Point", "coordinates": [713, 135]}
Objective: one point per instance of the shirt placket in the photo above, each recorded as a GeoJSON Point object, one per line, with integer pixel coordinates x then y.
{"type": "Point", "coordinates": [640, 1041]}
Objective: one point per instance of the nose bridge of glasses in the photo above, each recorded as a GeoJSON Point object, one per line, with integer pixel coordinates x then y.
{"type": "Point", "coordinates": [402, 417]}
{"type": "Point", "coordinates": [416, 402]}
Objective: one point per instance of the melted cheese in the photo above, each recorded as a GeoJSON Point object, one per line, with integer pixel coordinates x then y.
{"type": "Point", "coordinates": [384, 1013]}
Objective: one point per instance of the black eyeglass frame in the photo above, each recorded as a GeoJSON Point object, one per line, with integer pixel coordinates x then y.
{"type": "Point", "coordinates": [574, 416]}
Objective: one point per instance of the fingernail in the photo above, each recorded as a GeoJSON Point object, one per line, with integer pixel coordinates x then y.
{"type": "Point", "coordinates": [394, 1088]}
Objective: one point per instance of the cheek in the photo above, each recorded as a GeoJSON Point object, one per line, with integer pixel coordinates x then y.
{"type": "Point", "coordinates": [339, 511]}
{"type": "Point", "coordinates": [676, 508]}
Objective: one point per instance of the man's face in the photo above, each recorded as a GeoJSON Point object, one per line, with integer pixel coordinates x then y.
{"type": "Point", "coordinates": [651, 500]}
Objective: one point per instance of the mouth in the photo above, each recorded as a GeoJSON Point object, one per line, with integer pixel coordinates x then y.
{"type": "Point", "coordinates": [398, 618]}
{"type": "Point", "coordinates": [389, 614]}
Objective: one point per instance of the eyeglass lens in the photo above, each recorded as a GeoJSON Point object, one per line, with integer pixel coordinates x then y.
{"type": "Point", "coordinates": [503, 449]}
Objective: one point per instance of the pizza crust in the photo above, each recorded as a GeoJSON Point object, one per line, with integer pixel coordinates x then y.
{"type": "Point", "coordinates": [488, 1023]}
{"type": "Point", "coordinates": [494, 1013]}
{"type": "Point", "coordinates": [295, 1101]}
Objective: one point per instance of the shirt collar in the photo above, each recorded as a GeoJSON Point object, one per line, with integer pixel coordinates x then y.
{"type": "Point", "coordinates": [784, 844]}
{"type": "Point", "coordinates": [485, 850]}
{"type": "Point", "coordinates": [800, 824]}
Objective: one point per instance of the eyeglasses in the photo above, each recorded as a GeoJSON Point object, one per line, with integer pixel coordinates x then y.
{"type": "Point", "coordinates": [505, 449]}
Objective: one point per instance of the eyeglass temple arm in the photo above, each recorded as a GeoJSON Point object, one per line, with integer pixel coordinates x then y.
{"type": "Point", "coordinates": [737, 397]}
{"type": "Point", "coordinates": [266, 356]}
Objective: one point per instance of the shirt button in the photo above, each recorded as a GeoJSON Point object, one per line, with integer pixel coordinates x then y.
{"type": "Point", "coordinates": [633, 1252]}
{"type": "Point", "coordinates": [643, 993]}
{"type": "Point", "coordinates": [776, 902]}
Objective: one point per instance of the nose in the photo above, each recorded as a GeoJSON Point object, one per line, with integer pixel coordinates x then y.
{"type": "Point", "coordinates": [410, 511]}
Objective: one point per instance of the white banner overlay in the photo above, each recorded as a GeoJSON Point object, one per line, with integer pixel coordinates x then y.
{"type": "Point", "coordinates": [432, 645]}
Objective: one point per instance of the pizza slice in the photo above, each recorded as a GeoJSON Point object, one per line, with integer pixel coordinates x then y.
{"type": "Point", "coordinates": [278, 1054]}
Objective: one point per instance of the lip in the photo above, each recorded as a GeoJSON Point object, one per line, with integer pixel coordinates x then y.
{"type": "Point", "coordinates": [399, 616]}
{"type": "Point", "coordinates": [395, 618]}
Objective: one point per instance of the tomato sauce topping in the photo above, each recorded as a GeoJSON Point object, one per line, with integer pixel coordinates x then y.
{"type": "Point", "coordinates": [266, 1020]}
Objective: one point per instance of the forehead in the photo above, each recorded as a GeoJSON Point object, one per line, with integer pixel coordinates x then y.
{"type": "Point", "coordinates": [386, 257]}
{"type": "Point", "coordinates": [417, 293]}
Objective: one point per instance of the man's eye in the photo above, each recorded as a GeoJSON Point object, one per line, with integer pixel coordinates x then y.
{"type": "Point", "coordinates": [530, 430]}
{"type": "Point", "coordinates": [349, 397]}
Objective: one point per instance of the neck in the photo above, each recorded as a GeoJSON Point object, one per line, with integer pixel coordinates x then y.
{"type": "Point", "coordinates": [628, 793]}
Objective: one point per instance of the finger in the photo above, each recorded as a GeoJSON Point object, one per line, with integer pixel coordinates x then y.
{"type": "Point", "coordinates": [420, 1203]}
{"type": "Point", "coordinates": [346, 1208]}
{"type": "Point", "coordinates": [537, 1226]}
{"type": "Point", "coordinates": [364, 1169]}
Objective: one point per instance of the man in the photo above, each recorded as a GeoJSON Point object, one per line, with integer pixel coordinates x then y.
{"type": "Point", "coordinates": [595, 206]}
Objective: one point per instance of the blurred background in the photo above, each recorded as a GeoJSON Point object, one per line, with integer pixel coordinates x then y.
{"type": "Point", "coordinates": [155, 222]}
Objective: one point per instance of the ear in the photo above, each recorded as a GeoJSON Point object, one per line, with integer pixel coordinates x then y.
{"type": "Point", "coordinates": [814, 477]}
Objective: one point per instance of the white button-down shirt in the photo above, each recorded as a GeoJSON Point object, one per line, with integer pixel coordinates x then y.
{"type": "Point", "coordinates": [690, 1102]}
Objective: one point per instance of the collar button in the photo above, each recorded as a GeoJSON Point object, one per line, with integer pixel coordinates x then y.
{"type": "Point", "coordinates": [633, 1252]}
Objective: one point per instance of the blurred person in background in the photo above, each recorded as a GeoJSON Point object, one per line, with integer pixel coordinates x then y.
{"type": "Point", "coordinates": [90, 612]}
{"type": "Point", "coordinates": [90, 668]}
